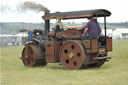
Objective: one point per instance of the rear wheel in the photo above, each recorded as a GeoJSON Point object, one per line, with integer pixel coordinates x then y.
{"type": "Point", "coordinates": [97, 64]}
{"type": "Point", "coordinates": [72, 55]}
{"type": "Point", "coordinates": [100, 63]}
{"type": "Point", "coordinates": [33, 56]}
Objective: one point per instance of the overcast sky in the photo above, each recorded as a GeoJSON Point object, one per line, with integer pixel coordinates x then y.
{"type": "Point", "coordinates": [9, 13]}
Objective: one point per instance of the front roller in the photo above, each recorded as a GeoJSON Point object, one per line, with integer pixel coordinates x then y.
{"type": "Point", "coordinates": [72, 55]}
{"type": "Point", "coordinates": [32, 56]}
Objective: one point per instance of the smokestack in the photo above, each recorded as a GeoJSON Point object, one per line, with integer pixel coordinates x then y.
{"type": "Point", "coordinates": [34, 7]}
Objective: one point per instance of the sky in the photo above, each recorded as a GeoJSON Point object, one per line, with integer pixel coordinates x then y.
{"type": "Point", "coordinates": [9, 12]}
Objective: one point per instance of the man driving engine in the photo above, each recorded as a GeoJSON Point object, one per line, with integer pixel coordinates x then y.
{"type": "Point", "coordinates": [90, 30]}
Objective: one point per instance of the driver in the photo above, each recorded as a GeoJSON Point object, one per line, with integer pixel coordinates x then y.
{"type": "Point", "coordinates": [90, 30]}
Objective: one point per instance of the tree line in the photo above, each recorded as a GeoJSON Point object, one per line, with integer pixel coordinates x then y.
{"type": "Point", "coordinates": [15, 27]}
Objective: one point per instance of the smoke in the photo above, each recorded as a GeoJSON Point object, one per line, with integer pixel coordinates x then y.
{"type": "Point", "coordinates": [33, 6]}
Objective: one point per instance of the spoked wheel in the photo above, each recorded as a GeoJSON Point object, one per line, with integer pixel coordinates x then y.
{"type": "Point", "coordinates": [72, 55]}
{"type": "Point", "coordinates": [33, 56]}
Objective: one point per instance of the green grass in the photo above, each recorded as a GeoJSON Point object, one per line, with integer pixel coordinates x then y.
{"type": "Point", "coordinates": [114, 72]}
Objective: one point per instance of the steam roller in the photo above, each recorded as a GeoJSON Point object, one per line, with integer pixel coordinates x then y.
{"type": "Point", "coordinates": [63, 44]}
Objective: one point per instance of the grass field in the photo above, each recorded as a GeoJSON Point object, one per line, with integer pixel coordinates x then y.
{"type": "Point", "coordinates": [114, 72]}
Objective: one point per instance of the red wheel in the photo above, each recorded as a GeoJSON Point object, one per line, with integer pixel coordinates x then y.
{"type": "Point", "coordinates": [33, 57]}
{"type": "Point", "coordinates": [72, 55]}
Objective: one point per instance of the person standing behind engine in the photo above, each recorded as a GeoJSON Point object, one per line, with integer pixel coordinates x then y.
{"type": "Point", "coordinates": [98, 27]}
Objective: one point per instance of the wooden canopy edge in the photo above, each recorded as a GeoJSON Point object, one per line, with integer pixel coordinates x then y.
{"type": "Point", "coordinates": [77, 14]}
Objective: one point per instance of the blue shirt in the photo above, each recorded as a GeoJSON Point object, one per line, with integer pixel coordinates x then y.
{"type": "Point", "coordinates": [92, 29]}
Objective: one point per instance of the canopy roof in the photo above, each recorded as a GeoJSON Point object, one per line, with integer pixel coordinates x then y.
{"type": "Point", "coordinates": [77, 14]}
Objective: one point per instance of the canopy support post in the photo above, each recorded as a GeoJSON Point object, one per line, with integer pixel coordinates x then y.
{"type": "Point", "coordinates": [105, 23]}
